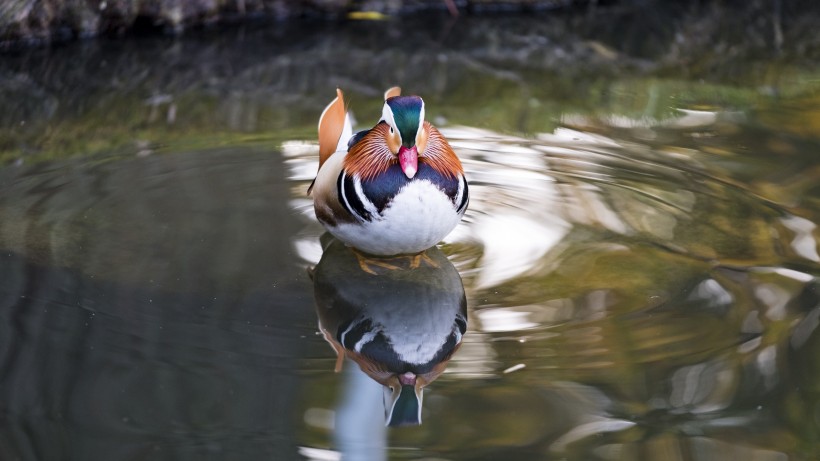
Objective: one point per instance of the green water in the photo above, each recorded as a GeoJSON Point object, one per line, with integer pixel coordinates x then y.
{"type": "Point", "coordinates": [639, 259]}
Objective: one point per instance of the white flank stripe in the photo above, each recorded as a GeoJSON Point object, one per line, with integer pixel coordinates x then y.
{"type": "Point", "coordinates": [460, 194]}
{"type": "Point", "coordinates": [366, 338]}
{"type": "Point", "coordinates": [346, 203]}
{"type": "Point", "coordinates": [368, 205]}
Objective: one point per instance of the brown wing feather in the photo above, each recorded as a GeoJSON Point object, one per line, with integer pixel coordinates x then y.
{"type": "Point", "coordinates": [331, 125]}
{"type": "Point", "coordinates": [337, 347]}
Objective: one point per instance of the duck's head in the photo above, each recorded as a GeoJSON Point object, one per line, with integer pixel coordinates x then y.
{"type": "Point", "coordinates": [402, 399]}
{"type": "Point", "coordinates": [404, 115]}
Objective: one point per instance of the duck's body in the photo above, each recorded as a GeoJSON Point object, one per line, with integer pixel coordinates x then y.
{"type": "Point", "coordinates": [391, 214]}
{"type": "Point", "coordinates": [397, 188]}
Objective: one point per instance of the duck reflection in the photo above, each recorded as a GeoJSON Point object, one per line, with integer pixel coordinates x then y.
{"type": "Point", "coordinates": [400, 319]}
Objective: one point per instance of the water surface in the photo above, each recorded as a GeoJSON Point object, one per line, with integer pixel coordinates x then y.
{"type": "Point", "coordinates": [639, 258]}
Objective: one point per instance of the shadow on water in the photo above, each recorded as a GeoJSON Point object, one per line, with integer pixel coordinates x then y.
{"type": "Point", "coordinates": [639, 260]}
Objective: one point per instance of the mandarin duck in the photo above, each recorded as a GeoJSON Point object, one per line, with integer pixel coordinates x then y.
{"type": "Point", "coordinates": [401, 322]}
{"type": "Point", "coordinates": [397, 188]}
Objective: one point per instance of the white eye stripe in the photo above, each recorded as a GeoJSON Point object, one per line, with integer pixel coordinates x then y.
{"type": "Point", "coordinates": [387, 116]}
{"type": "Point", "coordinates": [421, 117]}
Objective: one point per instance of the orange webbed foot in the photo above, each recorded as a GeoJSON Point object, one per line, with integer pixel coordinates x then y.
{"type": "Point", "coordinates": [369, 263]}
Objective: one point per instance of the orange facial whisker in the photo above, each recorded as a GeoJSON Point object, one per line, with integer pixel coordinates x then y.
{"type": "Point", "coordinates": [438, 153]}
{"type": "Point", "coordinates": [370, 156]}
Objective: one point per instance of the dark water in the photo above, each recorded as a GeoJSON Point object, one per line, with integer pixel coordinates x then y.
{"type": "Point", "coordinates": [639, 260]}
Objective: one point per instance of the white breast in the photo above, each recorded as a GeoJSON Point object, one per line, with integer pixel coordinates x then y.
{"type": "Point", "coordinates": [419, 216]}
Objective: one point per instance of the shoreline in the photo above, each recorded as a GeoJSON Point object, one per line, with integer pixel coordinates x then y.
{"type": "Point", "coordinates": [33, 23]}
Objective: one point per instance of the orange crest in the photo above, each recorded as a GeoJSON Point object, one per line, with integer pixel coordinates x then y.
{"type": "Point", "coordinates": [392, 92]}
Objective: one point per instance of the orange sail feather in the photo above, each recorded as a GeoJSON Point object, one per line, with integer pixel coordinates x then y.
{"type": "Point", "coordinates": [331, 126]}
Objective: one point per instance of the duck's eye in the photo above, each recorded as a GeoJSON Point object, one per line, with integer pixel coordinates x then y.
{"type": "Point", "coordinates": [391, 130]}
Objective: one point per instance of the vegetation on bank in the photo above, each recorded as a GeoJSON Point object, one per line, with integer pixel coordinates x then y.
{"type": "Point", "coordinates": [269, 81]}
{"type": "Point", "coordinates": [41, 21]}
